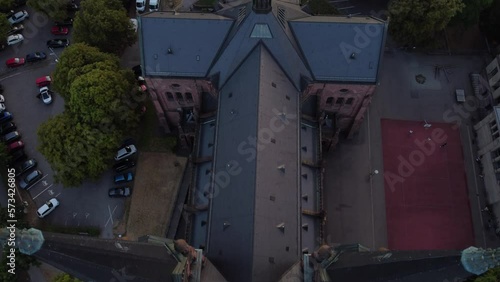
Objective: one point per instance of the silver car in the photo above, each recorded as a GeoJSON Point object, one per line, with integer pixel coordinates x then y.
{"type": "Point", "coordinates": [47, 208]}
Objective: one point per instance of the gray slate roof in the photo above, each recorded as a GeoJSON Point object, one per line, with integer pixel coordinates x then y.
{"type": "Point", "coordinates": [243, 234]}
{"type": "Point", "coordinates": [327, 43]}
{"type": "Point", "coordinates": [194, 40]}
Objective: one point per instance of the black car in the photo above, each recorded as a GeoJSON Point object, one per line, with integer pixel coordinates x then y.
{"type": "Point", "coordinates": [16, 29]}
{"type": "Point", "coordinates": [11, 137]}
{"type": "Point", "coordinates": [119, 192]}
{"type": "Point", "coordinates": [123, 165]}
{"type": "Point", "coordinates": [35, 57]}
{"type": "Point", "coordinates": [16, 156]}
{"type": "Point", "coordinates": [66, 22]}
{"type": "Point", "coordinates": [58, 43]}
{"type": "Point", "coordinates": [5, 117]}
{"type": "Point", "coordinates": [7, 127]}
{"type": "Point", "coordinates": [25, 166]}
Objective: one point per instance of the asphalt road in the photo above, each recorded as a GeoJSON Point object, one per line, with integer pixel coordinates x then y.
{"type": "Point", "coordinates": [80, 206]}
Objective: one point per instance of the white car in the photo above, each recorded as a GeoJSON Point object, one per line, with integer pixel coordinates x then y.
{"type": "Point", "coordinates": [14, 39]}
{"type": "Point", "coordinates": [45, 95]}
{"type": "Point", "coordinates": [135, 25]}
{"type": "Point", "coordinates": [125, 152]}
{"type": "Point", "coordinates": [140, 5]}
{"type": "Point", "coordinates": [2, 99]}
{"type": "Point", "coordinates": [47, 208]}
{"type": "Point", "coordinates": [2, 107]}
{"type": "Point", "coordinates": [18, 17]}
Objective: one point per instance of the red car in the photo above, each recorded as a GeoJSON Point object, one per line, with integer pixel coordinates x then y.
{"type": "Point", "coordinates": [60, 30]}
{"type": "Point", "coordinates": [43, 81]}
{"type": "Point", "coordinates": [16, 146]}
{"type": "Point", "coordinates": [14, 62]}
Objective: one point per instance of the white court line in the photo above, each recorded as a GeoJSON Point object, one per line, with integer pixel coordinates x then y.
{"type": "Point", "coordinates": [110, 215]}
{"type": "Point", "coordinates": [43, 191]}
{"type": "Point", "coordinates": [477, 189]}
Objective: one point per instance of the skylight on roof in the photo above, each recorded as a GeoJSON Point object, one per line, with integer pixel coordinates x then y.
{"type": "Point", "coordinates": [261, 31]}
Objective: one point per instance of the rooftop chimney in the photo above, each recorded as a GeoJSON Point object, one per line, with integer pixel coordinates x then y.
{"type": "Point", "coordinates": [262, 6]}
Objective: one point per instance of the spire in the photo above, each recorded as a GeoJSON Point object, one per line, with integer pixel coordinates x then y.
{"type": "Point", "coordinates": [262, 6]}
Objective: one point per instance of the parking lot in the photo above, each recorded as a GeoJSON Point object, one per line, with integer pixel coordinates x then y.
{"type": "Point", "coordinates": [80, 206]}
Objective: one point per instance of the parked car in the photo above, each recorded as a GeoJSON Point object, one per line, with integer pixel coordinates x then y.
{"type": "Point", "coordinates": [66, 22]}
{"type": "Point", "coordinates": [25, 166]}
{"type": "Point", "coordinates": [2, 107]}
{"type": "Point", "coordinates": [35, 57]}
{"type": "Point", "coordinates": [14, 62]}
{"type": "Point", "coordinates": [7, 127]}
{"type": "Point", "coordinates": [59, 30]}
{"type": "Point", "coordinates": [18, 17]}
{"type": "Point", "coordinates": [15, 29]}
{"type": "Point", "coordinates": [124, 177]}
{"type": "Point", "coordinates": [11, 137]}
{"type": "Point", "coordinates": [15, 146]}
{"type": "Point", "coordinates": [5, 117]}
{"type": "Point", "coordinates": [2, 99]}
{"type": "Point", "coordinates": [137, 71]}
{"type": "Point", "coordinates": [45, 95]}
{"type": "Point", "coordinates": [16, 156]}
{"type": "Point", "coordinates": [30, 179]}
{"type": "Point", "coordinates": [43, 81]}
{"type": "Point", "coordinates": [1, 89]}
{"type": "Point", "coordinates": [119, 192]}
{"type": "Point", "coordinates": [125, 152]}
{"type": "Point", "coordinates": [14, 39]}
{"type": "Point", "coordinates": [47, 208]}
{"type": "Point", "coordinates": [58, 43]}
{"type": "Point", "coordinates": [124, 165]}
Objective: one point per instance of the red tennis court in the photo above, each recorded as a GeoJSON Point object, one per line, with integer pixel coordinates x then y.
{"type": "Point", "coordinates": [426, 195]}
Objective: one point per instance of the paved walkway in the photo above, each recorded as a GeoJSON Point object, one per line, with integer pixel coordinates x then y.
{"type": "Point", "coordinates": [355, 202]}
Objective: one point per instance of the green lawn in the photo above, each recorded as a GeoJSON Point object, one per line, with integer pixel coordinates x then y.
{"type": "Point", "coordinates": [150, 136]}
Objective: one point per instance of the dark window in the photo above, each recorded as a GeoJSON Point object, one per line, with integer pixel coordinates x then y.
{"type": "Point", "coordinates": [339, 101]}
{"type": "Point", "coordinates": [179, 96]}
{"type": "Point", "coordinates": [189, 97]}
{"type": "Point", "coordinates": [344, 90]}
{"type": "Point", "coordinates": [170, 96]}
{"type": "Point", "coordinates": [329, 101]}
{"type": "Point", "coordinates": [349, 101]}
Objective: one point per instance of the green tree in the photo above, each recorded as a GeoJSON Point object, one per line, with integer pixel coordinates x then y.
{"type": "Point", "coordinates": [23, 263]}
{"type": "Point", "coordinates": [492, 275]}
{"type": "Point", "coordinates": [104, 94]}
{"type": "Point", "coordinates": [54, 9]}
{"type": "Point", "coordinates": [75, 150]}
{"type": "Point", "coordinates": [322, 7]}
{"type": "Point", "coordinates": [4, 25]}
{"type": "Point", "coordinates": [105, 25]}
{"type": "Point", "coordinates": [471, 12]}
{"type": "Point", "coordinates": [417, 22]}
{"type": "Point", "coordinates": [71, 62]}
{"type": "Point", "coordinates": [7, 5]}
{"type": "Point", "coordinates": [64, 277]}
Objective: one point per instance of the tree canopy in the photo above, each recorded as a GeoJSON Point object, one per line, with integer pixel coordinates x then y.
{"type": "Point", "coordinates": [471, 12]}
{"type": "Point", "coordinates": [417, 22]}
{"type": "Point", "coordinates": [4, 24]}
{"type": "Point", "coordinates": [100, 110]}
{"type": "Point", "coordinates": [76, 151]}
{"type": "Point", "coordinates": [64, 277]}
{"type": "Point", "coordinates": [104, 24]}
{"type": "Point", "coordinates": [76, 60]}
{"type": "Point", "coordinates": [54, 9]}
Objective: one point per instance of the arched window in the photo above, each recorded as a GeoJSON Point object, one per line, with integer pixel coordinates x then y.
{"type": "Point", "coordinates": [329, 101]}
{"type": "Point", "coordinates": [349, 101]}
